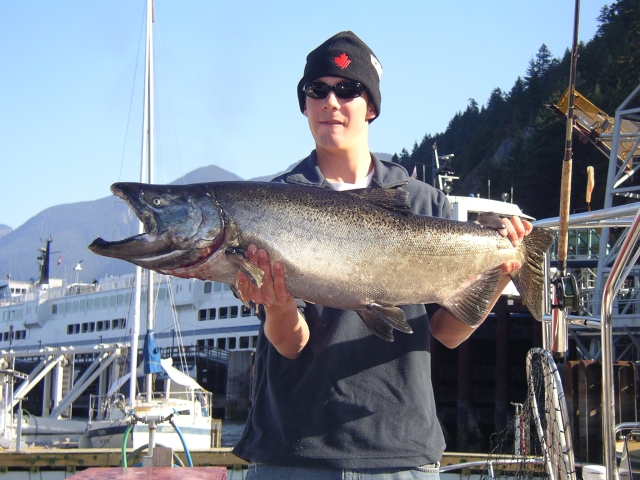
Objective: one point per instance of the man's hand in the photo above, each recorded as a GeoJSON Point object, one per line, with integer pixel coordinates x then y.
{"type": "Point", "coordinates": [284, 326]}
{"type": "Point", "coordinates": [515, 230]}
{"type": "Point", "coordinates": [273, 292]}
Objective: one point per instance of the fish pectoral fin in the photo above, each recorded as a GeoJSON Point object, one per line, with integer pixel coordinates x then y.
{"type": "Point", "coordinates": [238, 295]}
{"type": "Point", "coordinates": [392, 316]}
{"type": "Point", "coordinates": [471, 305]}
{"type": "Point", "coordinates": [237, 256]}
{"type": "Point", "coordinates": [377, 326]}
{"type": "Point", "coordinates": [489, 220]}
{"type": "Point", "coordinates": [389, 198]}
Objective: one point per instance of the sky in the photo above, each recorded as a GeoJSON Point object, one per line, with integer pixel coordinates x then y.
{"type": "Point", "coordinates": [226, 74]}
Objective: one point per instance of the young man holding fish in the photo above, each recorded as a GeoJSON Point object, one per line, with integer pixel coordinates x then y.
{"type": "Point", "coordinates": [331, 400]}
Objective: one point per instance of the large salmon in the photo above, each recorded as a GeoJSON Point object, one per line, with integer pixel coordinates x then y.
{"type": "Point", "coordinates": [362, 250]}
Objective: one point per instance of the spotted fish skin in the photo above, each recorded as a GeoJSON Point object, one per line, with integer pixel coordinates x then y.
{"type": "Point", "coordinates": [362, 250]}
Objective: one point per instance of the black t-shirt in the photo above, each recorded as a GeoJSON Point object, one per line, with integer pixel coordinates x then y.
{"type": "Point", "coordinates": [350, 400]}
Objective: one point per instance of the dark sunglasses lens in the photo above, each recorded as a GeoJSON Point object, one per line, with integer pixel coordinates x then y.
{"type": "Point", "coordinates": [348, 90]}
{"type": "Point", "coordinates": [317, 90]}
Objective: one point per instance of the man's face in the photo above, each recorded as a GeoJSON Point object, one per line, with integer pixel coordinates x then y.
{"type": "Point", "coordinates": [337, 123]}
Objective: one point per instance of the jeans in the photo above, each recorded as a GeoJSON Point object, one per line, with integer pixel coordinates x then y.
{"type": "Point", "coordinates": [259, 471]}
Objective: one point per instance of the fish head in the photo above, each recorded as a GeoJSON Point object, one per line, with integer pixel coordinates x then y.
{"type": "Point", "coordinates": [182, 227]}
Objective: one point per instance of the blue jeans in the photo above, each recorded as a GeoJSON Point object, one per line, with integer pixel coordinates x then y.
{"type": "Point", "coordinates": [258, 471]}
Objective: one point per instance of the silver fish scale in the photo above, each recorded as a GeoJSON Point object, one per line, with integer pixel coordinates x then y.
{"type": "Point", "coordinates": [344, 252]}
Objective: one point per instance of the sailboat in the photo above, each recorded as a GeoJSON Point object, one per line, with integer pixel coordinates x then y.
{"type": "Point", "coordinates": [180, 414]}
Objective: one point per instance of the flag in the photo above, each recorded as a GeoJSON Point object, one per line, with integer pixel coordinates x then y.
{"type": "Point", "coordinates": [415, 172]}
{"type": "Point", "coordinates": [60, 260]}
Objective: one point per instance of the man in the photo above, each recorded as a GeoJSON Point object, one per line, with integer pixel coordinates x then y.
{"type": "Point", "coordinates": [331, 400]}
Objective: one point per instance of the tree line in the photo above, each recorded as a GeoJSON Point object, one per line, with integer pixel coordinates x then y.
{"type": "Point", "coordinates": [517, 141]}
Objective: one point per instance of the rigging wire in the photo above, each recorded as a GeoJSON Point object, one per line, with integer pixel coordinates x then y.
{"type": "Point", "coordinates": [126, 132]}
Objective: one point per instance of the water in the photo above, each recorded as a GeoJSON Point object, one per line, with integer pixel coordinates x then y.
{"type": "Point", "coordinates": [231, 432]}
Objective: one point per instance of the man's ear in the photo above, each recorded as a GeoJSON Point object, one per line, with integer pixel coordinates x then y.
{"type": "Point", "coordinates": [371, 112]}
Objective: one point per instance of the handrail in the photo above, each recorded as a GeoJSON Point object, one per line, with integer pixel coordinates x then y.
{"type": "Point", "coordinates": [608, 406]}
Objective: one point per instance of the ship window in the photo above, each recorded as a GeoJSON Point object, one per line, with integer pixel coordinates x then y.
{"type": "Point", "coordinates": [5, 336]}
{"type": "Point", "coordinates": [76, 328]}
{"type": "Point", "coordinates": [121, 299]}
{"type": "Point", "coordinates": [96, 303]}
{"type": "Point", "coordinates": [200, 343]}
{"type": "Point", "coordinates": [112, 301]}
{"type": "Point", "coordinates": [212, 314]}
{"type": "Point", "coordinates": [83, 305]}
{"type": "Point", "coordinates": [244, 342]}
{"type": "Point", "coordinates": [99, 325]}
{"type": "Point", "coordinates": [68, 307]}
{"type": "Point", "coordinates": [245, 312]}
{"type": "Point", "coordinates": [254, 341]}
{"type": "Point", "coordinates": [106, 325]}
{"type": "Point", "coordinates": [232, 343]}
{"type": "Point", "coordinates": [75, 306]}
{"type": "Point", "coordinates": [221, 343]}
{"type": "Point", "coordinates": [207, 287]}
{"type": "Point", "coordinates": [85, 327]}
{"type": "Point", "coordinates": [210, 342]}
{"type": "Point", "coordinates": [127, 298]}
{"type": "Point", "coordinates": [69, 329]}
{"type": "Point", "coordinates": [92, 327]}
{"type": "Point", "coordinates": [202, 315]}
{"type": "Point", "coordinates": [123, 322]}
{"type": "Point", "coordinates": [223, 312]}
{"type": "Point", "coordinates": [226, 287]}
{"type": "Point", "coordinates": [217, 287]}
{"type": "Point", "coordinates": [114, 324]}
{"type": "Point", "coordinates": [61, 308]}
{"type": "Point", "coordinates": [233, 311]}
{"type": "Point", "coordinates": [104, 302]}
{"type": "Point", "coordinates": [54, 309]}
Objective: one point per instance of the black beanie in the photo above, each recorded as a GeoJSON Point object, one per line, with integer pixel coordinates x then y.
{"type": "Point", "coordinates": [346, 56]}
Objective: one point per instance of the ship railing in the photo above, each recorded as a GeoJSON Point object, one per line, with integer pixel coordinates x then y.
{"type": "Point", "coordinates": [103, 407]}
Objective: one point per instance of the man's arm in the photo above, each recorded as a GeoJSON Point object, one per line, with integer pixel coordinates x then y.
{"type": "Point", "coordinates": [284, 326]}
{"type": "Point", "coordinates": [450, 331]}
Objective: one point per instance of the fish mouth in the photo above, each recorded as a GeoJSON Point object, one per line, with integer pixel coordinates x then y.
{"type": "Point", "coordinates": [137, 247]}
{"type": "Point", "coordinates": [141, 246]}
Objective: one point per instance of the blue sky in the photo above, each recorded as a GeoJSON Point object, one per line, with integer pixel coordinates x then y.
{"type": "Point", "coordinates": [226, 74]}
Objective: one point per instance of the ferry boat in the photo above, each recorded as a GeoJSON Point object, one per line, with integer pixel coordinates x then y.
{"type": "Point", "coordinates": [35, 315]}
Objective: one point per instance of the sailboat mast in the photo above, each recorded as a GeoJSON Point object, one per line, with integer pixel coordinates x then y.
{"type": "Point", "coordinates": [146, 176]}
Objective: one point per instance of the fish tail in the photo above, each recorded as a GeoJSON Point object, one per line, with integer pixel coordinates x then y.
{"type": "Point", "coordinates": [529, 279]}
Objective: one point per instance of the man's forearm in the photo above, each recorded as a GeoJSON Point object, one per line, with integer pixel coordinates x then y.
{"type": "Point", "coordinates": [286, 328]}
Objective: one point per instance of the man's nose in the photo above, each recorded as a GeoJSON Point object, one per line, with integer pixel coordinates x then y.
{"type": "Point", "coordinates": [331, 102]}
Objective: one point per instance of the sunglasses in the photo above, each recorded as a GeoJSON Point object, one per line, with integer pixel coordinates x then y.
{"type": "Point", "coordinates": [319, 90]}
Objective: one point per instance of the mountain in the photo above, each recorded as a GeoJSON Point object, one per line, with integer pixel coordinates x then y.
{"type": "Point", "coordinates": [4, 230]}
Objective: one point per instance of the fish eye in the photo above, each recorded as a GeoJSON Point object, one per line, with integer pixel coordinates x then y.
{"type": "Point", "coordinates": [156, 201]}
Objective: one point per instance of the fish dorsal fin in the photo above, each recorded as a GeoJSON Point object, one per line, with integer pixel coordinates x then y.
{"type": "Point", "coordinates": [389, 198]}
{"type": "Point", "coordinates": [471, 305]}
{"type": "Point", "coordinates": [490, 220]}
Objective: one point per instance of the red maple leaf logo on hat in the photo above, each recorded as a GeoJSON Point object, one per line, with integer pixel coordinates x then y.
{"type": "Point", "coordinates": [342, 60]}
